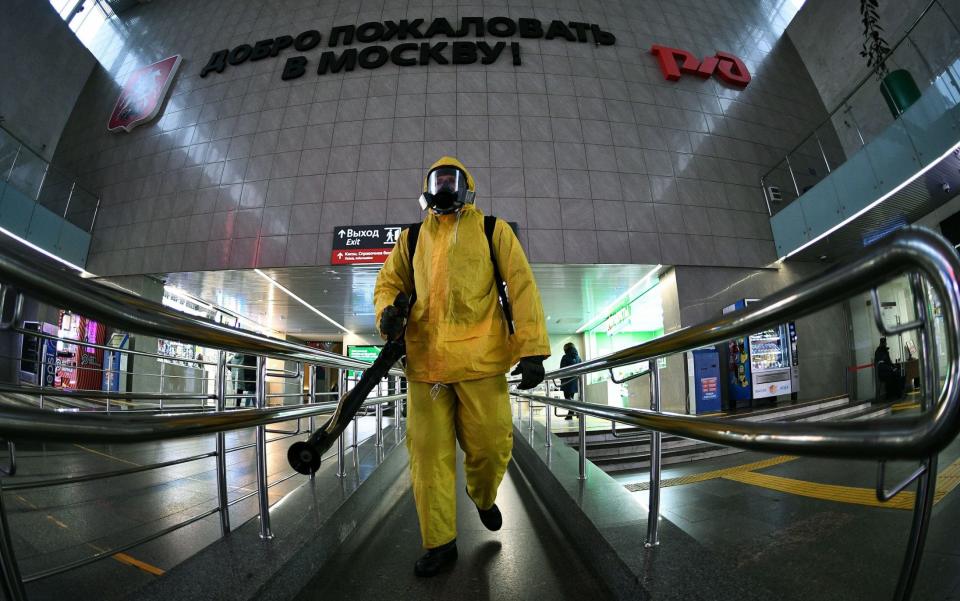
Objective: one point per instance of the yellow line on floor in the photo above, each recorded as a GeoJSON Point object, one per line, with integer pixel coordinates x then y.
{"type": "Point", "coordinates": [947, 480]}
{"type": "Point", "coordinates": [107, 455]}
{"type": "Point", "coordinates": [121, 557]}
{"type": "Point", "coordinates": [57, 522]}
{"type": "Point", "coordinates": [826, 492]}
{"type": "Point", "coordinates": [26, 502]}
{"type": "Point", "coordinates": [904, 406]}
{"type": "Point", "coordinates": [711, 475]}
{"type": "Point", "coordinates": [146, 567]}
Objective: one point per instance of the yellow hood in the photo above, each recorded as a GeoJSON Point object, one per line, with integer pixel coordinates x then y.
{"type": "Point", "coordinates": [451, 162]}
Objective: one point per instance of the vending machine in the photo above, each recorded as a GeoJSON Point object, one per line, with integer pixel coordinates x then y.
{"type": "Point", "coordinates": [38, 356]}
{"type": "Point", "coordinates": [763, 365]}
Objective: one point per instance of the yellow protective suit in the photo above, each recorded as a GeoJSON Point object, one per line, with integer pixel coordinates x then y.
{"type": "Point", "coordinates": [457, 336]}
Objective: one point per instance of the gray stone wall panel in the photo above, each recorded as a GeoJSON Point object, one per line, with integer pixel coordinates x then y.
{"type": "Point", "coordinates": [587, 148]}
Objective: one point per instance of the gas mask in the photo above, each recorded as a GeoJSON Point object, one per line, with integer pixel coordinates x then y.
{"type": "Point", "coordinates": [447, 191]}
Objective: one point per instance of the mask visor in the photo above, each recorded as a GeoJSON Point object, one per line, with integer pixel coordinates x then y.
{"type": "Point", "coordinates": [447, 179]}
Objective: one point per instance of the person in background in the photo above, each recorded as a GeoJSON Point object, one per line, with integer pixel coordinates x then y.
{"type": "Point", "coordinates": [245, 367]}
{"type": "Point", "coordinates": [570, 386]}
{"type": "Point", "coordinates": [887, 372]}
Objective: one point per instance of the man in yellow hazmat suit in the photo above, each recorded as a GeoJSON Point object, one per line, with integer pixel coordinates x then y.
{"type": "Point", "coordinates": [459, 348]}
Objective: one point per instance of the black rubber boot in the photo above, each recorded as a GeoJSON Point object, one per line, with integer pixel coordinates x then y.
{"type": "Point", "coordinates": [436, 560]}
{"type": "Point", "coordinates": [491, 518]}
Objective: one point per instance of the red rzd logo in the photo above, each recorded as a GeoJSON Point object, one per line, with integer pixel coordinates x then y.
{"type": "Point", "coordinates": [674, 62]}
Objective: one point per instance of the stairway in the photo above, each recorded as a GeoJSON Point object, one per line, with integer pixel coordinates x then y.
{"type": "Point", "coordinates": [629, 450]}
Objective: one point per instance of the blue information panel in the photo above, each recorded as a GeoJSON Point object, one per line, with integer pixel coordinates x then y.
{"type": "Point", "coordinates": [706, 379]}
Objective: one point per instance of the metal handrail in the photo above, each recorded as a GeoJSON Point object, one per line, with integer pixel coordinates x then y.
{"type": "Point", "coordinates": [901, 438]}
{"type": "Point", "coordinates": [916, 437]}
{"type": "Point", "coordinates": [22, 423]}
{"type": "Point", "coordinates": [60, 287]}
{"type": "Point", "coordinates": [915, 251]}
{"type": "Point", "coordinates": [891, 438]}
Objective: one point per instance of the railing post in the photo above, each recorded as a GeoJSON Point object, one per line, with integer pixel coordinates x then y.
{"type": "Point", "coordinates": [766, 198]}
{"type": "Point", "coordinates": [302, 368]}
{"type": "Point", "coordinates": [379, 424]}
{"type": "Point", "coordinates": [69, 198]}
{"type": "Point", "coordinates": [93, 219]}
{"type": "Point", "coordinates": [262, 487]}
{"type": "Point", "coordinates": [856, 125]}
{"type": "Point", "coordinates": [222, 500]}
{"type": "Point", "coordinates": [931, 377]}
{"type": "Point", "coordinates": [341, 453]}
{"type": "Point", "coordinates": [927, 482]}
{"type": "Point", "coordinates": [582, 423]}
{"type": "Point", "coordinates": [312, 394]}
{"type": "Point", "coordinates": [12, 583]}
{"type": "Point", "coordinates": [883, 84]}
{"type": "Point", "coordinates": [653, 515]}
{"type": "Point", "coordinates": [14, 163]}
{"type": "Point", "coordinates": [530, 404]}
{"type": "Point", "coordinates": [396, 406]}
{"type": "Point", "coordinates": [549, 410]}
{"type": "Point", "coordinates": [793, 178]}
{"type": "Point", "coordinates": [822, 152]}
{"type": "Point", "coordinates": [41, 342]}
{"type": "Point", "coordinates": [162, 365]}
{"type": "Point", "coordinates": [341, 445]}
{"type": "Point", "coordinates": [43, 178]}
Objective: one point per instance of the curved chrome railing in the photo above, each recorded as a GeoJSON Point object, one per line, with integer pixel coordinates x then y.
{"type": "Point", "coordinates": [893, 438]}
{"type": "Point", "coordinates": [59, 287]}
{"type": "Point", "coordinates": [20, 276]}
{"type": "Point", "coordinates": [913, 251]}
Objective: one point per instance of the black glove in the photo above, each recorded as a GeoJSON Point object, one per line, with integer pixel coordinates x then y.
{"type": "Point", "coordinates": [531, 369]}
{"type": "Point", "coordinates": [394, 318]}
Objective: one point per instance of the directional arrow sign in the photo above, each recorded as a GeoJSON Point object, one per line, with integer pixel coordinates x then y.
{"type": "Point", "coordinates": [367, 244]}
{"type": "Point", "coordinates": [364, 244]}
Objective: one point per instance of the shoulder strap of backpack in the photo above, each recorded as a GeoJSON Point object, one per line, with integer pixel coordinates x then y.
{"type": "Point", "coordinates": [489, 223]}
{"type": "Point", "coordinates": [412, 234]}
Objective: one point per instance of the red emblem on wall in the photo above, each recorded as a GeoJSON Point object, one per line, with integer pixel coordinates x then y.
{"type": "Point", "coordinates": [143, 94]}
{"type": "Point", "coordinates": [674, 62]}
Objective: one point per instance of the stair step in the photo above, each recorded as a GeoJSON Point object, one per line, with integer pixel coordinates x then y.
{"type": "Point", "coordinates": [870, 411]}
{"type": "Point", "coordinates": [630, 464]}
{"type": "Point", "coordinates": [640, 448]}
{"type": "Point", "coordinates": [780, 413]}
{"type": "Point", "coordinates": [833, 413]}
{"type": "Point", "coordinates": [626, 454]}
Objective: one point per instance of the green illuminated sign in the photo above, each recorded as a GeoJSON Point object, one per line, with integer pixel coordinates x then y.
{"type": "Point", "coordinates": [362, 353]}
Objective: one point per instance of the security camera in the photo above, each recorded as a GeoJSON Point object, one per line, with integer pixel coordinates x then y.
{"type": "Point", "coordinates": [945, 186]}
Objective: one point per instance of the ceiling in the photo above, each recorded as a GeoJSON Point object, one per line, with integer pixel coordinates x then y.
{"type": "Point", "coordinates": [571, 294]}
{"type": "Point", "coordinates": [918, 198]}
